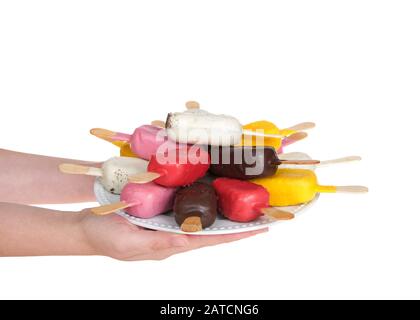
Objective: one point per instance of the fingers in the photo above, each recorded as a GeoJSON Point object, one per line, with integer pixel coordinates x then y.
{"type": "Point", "coordinates": [205, 241]}
{"type": "Point", "coordinates": [163, 240]}
{"type": "Point", "coordinates": [192, 242]}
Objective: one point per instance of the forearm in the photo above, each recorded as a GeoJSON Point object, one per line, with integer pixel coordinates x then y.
{"type": "Point", "coordinates": [34, 179]}
{"type": "Point", "coordinates": [31, 231]}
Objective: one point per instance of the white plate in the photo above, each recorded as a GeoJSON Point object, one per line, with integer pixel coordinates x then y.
{"type": "Point", "coordinates": [166, 222]}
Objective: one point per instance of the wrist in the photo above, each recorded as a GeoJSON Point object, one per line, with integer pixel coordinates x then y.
{"type": "Point", "coordinates": [32, 231]}
{"type": "Point", "coordinates": [79, 236]}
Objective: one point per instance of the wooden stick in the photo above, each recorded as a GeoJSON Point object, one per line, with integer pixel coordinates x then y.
{"type": "Point", "coordinates": [192, 105]}
{"type": "Point", "coordinates": [260, 134]}
{"type": "Point", "coordinates": [192, 224]}
{"type": "Point", "coordinates": [297, 136]}
{"type": "Point", "coordinates": [110, 208]}
{"type": "Point", "coordinates": [357, 189]}
{"type": "Point", "coordinates": [298, 162]}
{"type": "Point", "coordinates": [302, 126]}
{"type": "Point", "coordinates": [159, 123]}
{"type": "Point", "coordinates": [340, 160]}
{"type": "Point", "coordinates": [103, 133]}
{"type": "Point", "coordinates": [294, 155]}
{"type": "Point", "coordinates": [277, 213]}
{"type": "Point", "coordinates": [143, 178]}
{"type": "Point", "coordinates": [70, 168]}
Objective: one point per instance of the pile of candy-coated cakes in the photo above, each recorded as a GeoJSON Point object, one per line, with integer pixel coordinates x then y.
{"type": "Point", "coordinates": [198, 164]}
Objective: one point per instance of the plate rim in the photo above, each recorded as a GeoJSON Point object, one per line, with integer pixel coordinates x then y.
{"type": "Point", "coordinates": [246, 227]}
{"type": "Point", "coordinates": [241, 227]}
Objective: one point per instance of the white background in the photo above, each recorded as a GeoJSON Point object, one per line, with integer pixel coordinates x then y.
{"type": "Point", "coordinates": [353, 67]}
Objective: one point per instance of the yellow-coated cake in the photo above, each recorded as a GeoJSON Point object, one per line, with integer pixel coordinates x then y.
{"type": "Point", "coordinates": [290, 187]}
{"type": "Point", "coordinates": [125, 151]}
{"type": "Point", "coordinates": [269, 128]}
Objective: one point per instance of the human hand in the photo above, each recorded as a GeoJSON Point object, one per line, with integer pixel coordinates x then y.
{"type": "Point", "coordinates": [116, 237]}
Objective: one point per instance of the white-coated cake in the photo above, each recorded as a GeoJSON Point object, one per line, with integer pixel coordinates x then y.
{"type": "Point", "coordinates": [197, 126]}
{"type": "Point", "coordinates": [115, 172]}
